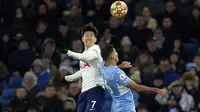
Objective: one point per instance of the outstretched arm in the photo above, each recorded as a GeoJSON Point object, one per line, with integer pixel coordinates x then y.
{"type": "Point", "coordinates": [126, 81]}
{"type": "Point", "coordinates": [73, 77]}
{"type": "Point", "coordinates": [90, 55]}
{"type": "Point", "coordinates": [142, 88]}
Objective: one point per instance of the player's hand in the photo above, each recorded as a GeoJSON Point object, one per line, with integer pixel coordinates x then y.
{"type": "Point", "coordinates": [162, 92]}
{"type": "Point", "coordinates": [125, 64]}
{"type": "Point", "coordinates": [62, 49]}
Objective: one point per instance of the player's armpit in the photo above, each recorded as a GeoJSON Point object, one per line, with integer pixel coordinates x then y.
{"type": "Point", "coordinates": [90, 55]}
{"type": "Point", "coordinates": [141, 88]}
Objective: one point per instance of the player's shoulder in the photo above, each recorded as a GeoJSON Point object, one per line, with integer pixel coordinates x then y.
{"type": "Point", "coordinates": [95, 47]}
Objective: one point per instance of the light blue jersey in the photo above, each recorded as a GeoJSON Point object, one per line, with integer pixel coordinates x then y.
{"type": "Point", "coordinates": [116, 81]}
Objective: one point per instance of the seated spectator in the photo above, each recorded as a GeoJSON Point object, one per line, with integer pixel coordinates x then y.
{"type": "Point", "coordinates": [20, 102]}
{"type": "Point", "coordinates": [176, 100]}
{"type": "Point", "coordinates": [74, 90]}
{"type": "Point", "coordinates": [179, 48]}
{"type": "Point", "coordinates": [30, 83]}
{"type": "Point", "coordinates": [146, 66]}
{"type": "Point", "coordinates": [176, 63]}
{"type": "Point", "coordinates": [190, 84]}
{"type": "Point", "coordinates": [43, 76]}
{"type": "Point", "coordinates": [23, 56]}
{"type": "Point", "coordinates": [48, 65]}
{"type": "Point", "coordinates": [69, 105]}
{"type": "Point", "coordinates": [49, 101]}
{"type": "Point", "coordinates": [150, 22]}
{"type": "Point", "coordinates": [158, 80]}
{"type": "Point", "coordinates": [169, 75]}
{"type": "Point", "coordinates": [197, 61]}
{"type": "Point", "coordinates": [154, 50]}
{"type": "Point", "coordinates": [64, 70]}
{"type": "Point", "coordinates": [49, 49]}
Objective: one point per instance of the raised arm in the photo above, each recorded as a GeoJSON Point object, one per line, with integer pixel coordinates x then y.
{"type": "Point", "coordinates": [91, 54]}
{"type": "Point", "coordinates": [73, 77]}
{"type": "Point", "coordinates": [88, 56]}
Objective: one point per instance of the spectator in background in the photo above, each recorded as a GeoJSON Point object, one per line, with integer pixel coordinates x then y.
{"type": "Point", "coordinates": [177, 99]}
{"type": "Point", "coordinates": [23, 56]}
{"type": "Point", "coordinates": [63, 36]}
{"type": "Point", "coordinates": [167, 28]}
{"type": "Point", "coordinates": [97, 13]}
{"type": "Point", "coordinates": [139, 33]}
{"type": "Point", "coordinates": [49, 66]}
{"type": "Point", "coordinates": [196, 60]}
{"type": "Point", "coordinates": [177, 64]}
{"type": "Point", "coordinates": [30, 83]}
{"type": "Point", "coordinates": [146, 66]}
{"type": "Point", "coordinates": [154, 51]}
{"type": "Point", "coordinates": [190, 84]}
{"type": "Point", "coordinates": [64, 70]}
{"type": "Point", "coordinates": [150, 22]}
{"type": "Point", "coordinates": [162, 42]}
{"type": "Point", "coordinates": [37, 37]}
{"type": "Point", "coordinates": [171, 12]}
{"type": "Point", "coordinates": [74, 19]}
{"type": "Point", "coordinates": [48, 100]}
{"type": "Point", "coordinates": [49, 49]}
{"type": "Point", "coordinates": [43, 76]}
{"type": "Point", "coordinates": [74, 90]}
{"type": "Point", "coordinates": [169, 75]}
{"type": "Point", "coordinates": [127, 52]}
{"type": "Point", "coordinates": [179, 48]}
{"type": "Point", "coordinates": [192, 26]}
{"type": "Point", "coordinates": [69, 105]}
{"type": "Point", "coordinates": [6, 47]}
{"type": "Point", "coordinates": [115, 31]}
{"type": "Point", "coordinates": [19, 22]}
{"type": "Point", "coordinates": [20, 102]}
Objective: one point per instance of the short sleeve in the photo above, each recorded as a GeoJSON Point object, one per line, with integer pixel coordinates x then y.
{"type": "Point", "coordinates": [122, 78]}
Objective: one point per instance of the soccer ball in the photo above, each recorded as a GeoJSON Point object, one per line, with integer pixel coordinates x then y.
{"type": "Point", "coordinates": [119, 9]}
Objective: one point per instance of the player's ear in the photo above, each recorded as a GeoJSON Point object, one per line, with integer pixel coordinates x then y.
{"type": "Point", "coordinates": [95, 40]}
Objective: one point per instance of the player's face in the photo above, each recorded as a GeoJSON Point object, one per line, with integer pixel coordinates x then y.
{"type": "Point", "coordinates": [115, 55]}
{"type": "Point", "coordinates": [89, 39]}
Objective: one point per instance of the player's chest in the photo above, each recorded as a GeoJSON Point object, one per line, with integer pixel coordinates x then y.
{"type": "Point", "coordinates": [84, 65]}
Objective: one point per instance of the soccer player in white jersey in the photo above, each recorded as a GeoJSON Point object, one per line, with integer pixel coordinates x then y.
{"type": "Point", "coordinates": [92, 93]}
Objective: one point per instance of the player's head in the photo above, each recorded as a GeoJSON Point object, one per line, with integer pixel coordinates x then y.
{"type": "Point", "coordinates": [109, 53]}
{"type": "Point", "coordinates": [89, 35]}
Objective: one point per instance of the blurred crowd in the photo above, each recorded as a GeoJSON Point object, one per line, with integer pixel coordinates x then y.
{"type": "Point", "coordinates": [159, 37]}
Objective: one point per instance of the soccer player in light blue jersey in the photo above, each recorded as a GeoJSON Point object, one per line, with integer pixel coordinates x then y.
{"type": "Point", "coordinates": [118, 84]}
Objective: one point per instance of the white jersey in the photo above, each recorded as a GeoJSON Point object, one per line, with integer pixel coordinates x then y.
{"type": "Point", "coordinates": [90, 61]}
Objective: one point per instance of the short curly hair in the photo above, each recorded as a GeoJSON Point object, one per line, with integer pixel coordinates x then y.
{"type": "Point", "coordinates": [89, 27]}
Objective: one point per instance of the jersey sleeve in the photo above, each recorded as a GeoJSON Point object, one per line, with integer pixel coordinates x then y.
{"type": "Point", "coordinates": [86, 57]}
{"type": "Point", "coordinates": [74, 76]}
{"type": "Point", "coordinates": [121, 78]}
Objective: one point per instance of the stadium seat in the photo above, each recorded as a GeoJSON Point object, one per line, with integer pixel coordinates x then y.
{"type": "Point", "coordinates": [8, 93]}
{"type": "Point", "coordinates": [15, 82]}
{"type": "Point", "coordinates": [190, 48]}
{"type": "Point", "coordinates": [7, 96]}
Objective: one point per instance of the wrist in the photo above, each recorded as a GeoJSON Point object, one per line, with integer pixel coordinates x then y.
{"type": "Point", "coordinates": [156, 90]}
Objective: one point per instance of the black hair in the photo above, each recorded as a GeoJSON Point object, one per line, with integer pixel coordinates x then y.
{"type": "Point", "coordinates": [106, 51]}
{"type": "Point", "coordinates": [164, 59]}
{"type": "Point", "coordinates": [63, 23]}
{"type": "Point", "coordinates": [20, 87]}
{"type": "Point", "coordinates": [89, 27]}
{"type": "Point", "coordinates": [49, 86]}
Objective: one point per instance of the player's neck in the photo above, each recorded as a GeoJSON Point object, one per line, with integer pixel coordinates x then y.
{"type": "Point", "coordinates": [110, 63]}
{"type": "Point", "coordinates": [87, 47]}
